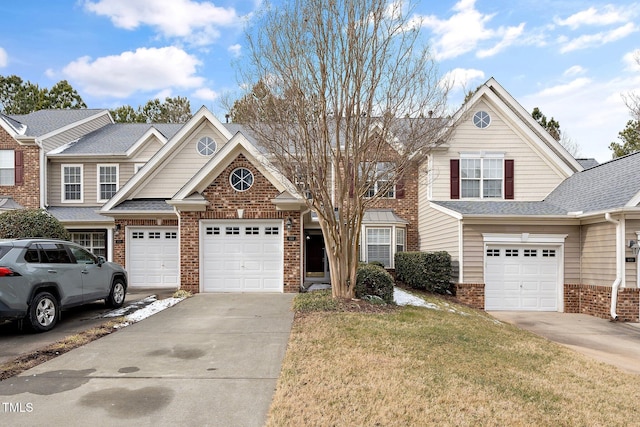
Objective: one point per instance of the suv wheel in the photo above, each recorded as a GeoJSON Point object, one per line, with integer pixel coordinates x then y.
{"type": "Point", "coordinates": [117, 294]}
{"type": "Point", "coordinates": [44, 312]}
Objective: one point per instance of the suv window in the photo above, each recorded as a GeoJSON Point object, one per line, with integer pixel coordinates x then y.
{"type": "Point", "coordinates": [32, 254]}
{"type": "Point", "coordinates": [54, 253]}
{"type": "Point", "coordinates": [4, 250]}
{"type": "Point", "coordinates": [82, 256]}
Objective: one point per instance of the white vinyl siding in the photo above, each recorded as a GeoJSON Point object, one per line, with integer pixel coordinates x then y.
{"type": "Point", "coordinates": [107, 181]}
{"type": "Point", "coordinates": [535, 176]}
{"type": "Point", "coordinates": [72, 185]}
{"type": "Point", "coordinates": [7, 167]}
{"type": "Point", "coordinates": [180, 168]}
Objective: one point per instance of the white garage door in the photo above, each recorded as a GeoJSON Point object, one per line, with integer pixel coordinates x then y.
{"type": "Point", "coordinates": [242, 256]}
{"type": "Point", "coordinates": [152, 257]}
{"type": "Point", "coordinates": [521, 278]}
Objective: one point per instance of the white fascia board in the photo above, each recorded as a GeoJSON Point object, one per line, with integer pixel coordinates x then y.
{"type": "Point", "coordinates": [635, 200]}
{"type": "Point", "coordinates": [145, 139]}
{"type": "Point", "coordinates": [165, 152]}
{"type": "Point", "coordinates": [524, 238]}
{"type": "Point", "coordinates": [565, 156]}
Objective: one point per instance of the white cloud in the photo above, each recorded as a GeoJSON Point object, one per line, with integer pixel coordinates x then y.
{"type": "Point", "coordinates": [4, 58]}
{"type": "Point", "coordinates": [591, 112]}
{"type": "Point", "coordinates": [235, 50]}
{"type": "Point", "coordinates": [145, 70]}
{"type": "Point", "coordinates": [632, 61]}
{"type": "Point", "coordinates": [206, 94]}
{"type": "Point", "coordinates": [607, 16]}
{"type": "Point", "coordinates": [574, 71]}
{"type": "Point", "coordinates": [598, 39]}
{"type": "Point", "coordinates": [460, 79]}
{"type": "Point", "coordinates": [466, 29]}
{"type": "Point", "coordinates": [196, 22]}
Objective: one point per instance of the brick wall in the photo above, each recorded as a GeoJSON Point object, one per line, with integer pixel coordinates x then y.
{"type": "Point", "coordinates": [224, 204]}
{"type": "Point", "coordinates": [407, 207]}
{"type": "Point", "coordinates": [471, 294]}
{"type": "Point", "coordinates": [596, 301]}
{"type": "Point", "coordinates": [27, 194]}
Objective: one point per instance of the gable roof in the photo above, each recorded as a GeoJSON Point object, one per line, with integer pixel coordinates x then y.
{"type": "Point", "coordinates": [508, 105]}
{"type": "Point", "coordinates": [239, 144]}
{"type": "Point", "coordinates": [43, 122]}
{"type": "Point", "coordinates": [116, 138]}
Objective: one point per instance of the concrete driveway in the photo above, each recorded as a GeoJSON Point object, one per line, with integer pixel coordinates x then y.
{"type": "Point", "coordinates": [17, 339]}
{"type": "Point", "coordinates": [616, 343]}
{"type": "Point", "coordinates": [211, 360]}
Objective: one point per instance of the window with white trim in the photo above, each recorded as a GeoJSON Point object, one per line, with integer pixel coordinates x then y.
{"type": "Point", "coordinates": [481, 178]}
{"type": "Point", "coordinates": [95, 242]}
{"type": "Point", "coordinates": [107, 181]}
{"type": "Point", "coordinates": [401, 239]}
{"type": "Point", "coordinates": [72, 183]}
{"type": "Point", "coordinates": [379, 245]}
{"type": "Point", "coordinates": [381, 175]}
{"type": "Point", "coordinates": [7, 167]}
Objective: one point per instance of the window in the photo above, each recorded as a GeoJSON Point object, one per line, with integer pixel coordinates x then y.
{"type": "Point", "coordinates": [493, 252]}
{"type": "Point", "coordinates": [7, 167]}
{"type": "Point", "coordinates": [401, 239]}
{"type": "Point", "coordinates": [482, 119]}
{"type": "Point", "coordinates": [241, 179]}
{"type": "Point", "coordinates": [379, 245]}
{"type": "Point", "coordinates": [95, 241]}
{"type": "Point", "coordinates": [82, 256]}
{"type": "Point", "coordinates": [381, 176]}
{"type": "Point", "coordinates": [54, 253]}
{"type": "Point", "coordinates": [271, 231]}
{"type": "Point", "coordinates": [107, 181]}
{"type": "Point", "coordinates": [72, 183]}
{"type": "Point", "coordinates": [206, 146]}
{"type": "Point", "coordinates": [481, 178]}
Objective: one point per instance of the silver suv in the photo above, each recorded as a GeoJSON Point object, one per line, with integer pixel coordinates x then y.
{"type": "Point", "coordinates": [40, 277]}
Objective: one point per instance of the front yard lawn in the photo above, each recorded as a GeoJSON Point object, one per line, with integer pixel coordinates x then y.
{"type": "Point", "coordinates": [454, 366]}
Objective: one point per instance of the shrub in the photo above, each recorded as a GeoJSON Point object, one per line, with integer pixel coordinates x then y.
{"type": "Point", "coordinates": [22, 223]}
{"type": "Point", "coordinates": [430, 271]}
{"type": "Point", "coordinates": [375, 281]}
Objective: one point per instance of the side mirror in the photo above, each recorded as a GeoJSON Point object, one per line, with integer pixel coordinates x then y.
{"type": "Point", "coordinates": [101, 260]}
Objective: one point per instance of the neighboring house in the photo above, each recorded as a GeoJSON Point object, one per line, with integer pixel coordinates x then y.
{"type": "Point", "coordinates": [528, 227]}
{"type": "Point", "coordinates": [200, 207]}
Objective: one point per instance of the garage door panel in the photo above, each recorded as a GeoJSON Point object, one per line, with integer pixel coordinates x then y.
{"type": "Point", "coordinates": [250, 259]}
{"type": "Point", "coordinates": [521, 278]}
{"type": "Point", "coordinates": [152, 257]}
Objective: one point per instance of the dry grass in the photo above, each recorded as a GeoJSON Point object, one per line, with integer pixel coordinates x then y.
{"type": "Point", "coordinates": [27, 361]}
{"type": "Point", "coordinates": [452, 367]}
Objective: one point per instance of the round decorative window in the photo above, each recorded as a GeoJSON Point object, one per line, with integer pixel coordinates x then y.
{"type": "Point", "coordinates": [206, 146]}
{"type": "Point", "coordinates": [481, 119]}
{"type": "Point", "coordinates": [241, 179]}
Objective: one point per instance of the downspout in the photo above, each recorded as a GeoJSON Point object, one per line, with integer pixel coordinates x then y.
{"type": "Point", "coordinates": [616, 284]}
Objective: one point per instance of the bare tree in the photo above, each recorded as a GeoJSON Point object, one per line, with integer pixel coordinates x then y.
{"type": "Point", "coordinates": [632, 99]}
{"type": "Point", "coordinates": [348, 101]}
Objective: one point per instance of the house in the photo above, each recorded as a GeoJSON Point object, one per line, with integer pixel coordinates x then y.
{"type": "Point", "coordinates": [199, 206]}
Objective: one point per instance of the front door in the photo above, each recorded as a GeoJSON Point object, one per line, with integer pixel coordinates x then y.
{"type": "Point", "coordinates": [316, 265]}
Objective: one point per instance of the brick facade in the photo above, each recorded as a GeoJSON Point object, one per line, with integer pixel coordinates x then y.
{"type": "Point", "coordinates": [224, 204]}
{"type": "Point", "coordinates": [471, 294]}
{"type": "Point", "coordinates": [596, 301]}
{"type": "Point", "coordinates": [27, 194]}
{"type": "Point", "coordinates": [407, 206]}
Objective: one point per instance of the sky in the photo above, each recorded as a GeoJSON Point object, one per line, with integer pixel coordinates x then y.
{"type": "Point", "coordinates": [573, 59]}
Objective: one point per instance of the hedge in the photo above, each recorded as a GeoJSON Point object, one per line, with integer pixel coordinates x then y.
{"type": "Point", "coordinates": [374, 280]}
{"type": "Point", "coordinates": [430, 271]}
{"type": "Point", "coordinates": [21, 223]}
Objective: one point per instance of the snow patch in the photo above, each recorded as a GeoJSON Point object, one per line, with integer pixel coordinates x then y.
{"type": "Point", "coordinates": [142, 309]}
{"type": "Point", "coordinates": [405, 298]}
